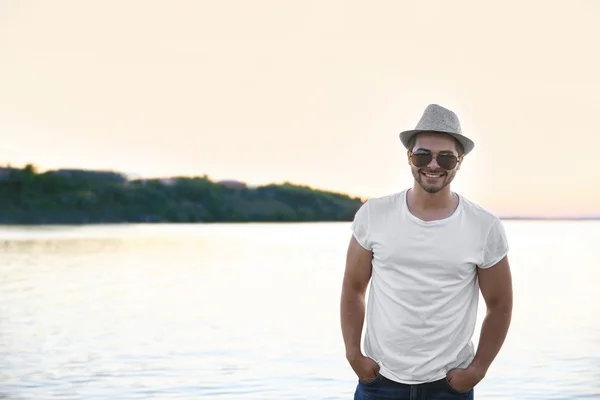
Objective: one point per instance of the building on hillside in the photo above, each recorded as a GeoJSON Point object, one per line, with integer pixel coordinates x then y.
{"type": "Point", "coordinates": [232, 184]}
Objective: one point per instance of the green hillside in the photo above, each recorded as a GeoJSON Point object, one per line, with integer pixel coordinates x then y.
{"type": "Point", "coordinates": [83, 196]}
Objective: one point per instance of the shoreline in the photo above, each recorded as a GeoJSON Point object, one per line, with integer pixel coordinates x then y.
{"type": "Point", "coordinates": [157, 223]}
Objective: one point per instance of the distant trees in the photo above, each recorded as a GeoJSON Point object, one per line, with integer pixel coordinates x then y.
{"type": "Point", "coordinates": [83, 196]}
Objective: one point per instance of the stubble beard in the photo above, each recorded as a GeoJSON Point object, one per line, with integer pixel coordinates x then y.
{"type": "Point", "coordinates": [431, 188]}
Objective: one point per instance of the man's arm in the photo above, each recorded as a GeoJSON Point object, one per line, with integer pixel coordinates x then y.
{"type": "Point", "coordinates": [495, 284]}
{"type": "Point", "coordinates": [354, 286]}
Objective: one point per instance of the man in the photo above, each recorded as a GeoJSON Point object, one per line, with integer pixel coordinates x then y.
{"type": "Point", "coordinates": [427, 251]}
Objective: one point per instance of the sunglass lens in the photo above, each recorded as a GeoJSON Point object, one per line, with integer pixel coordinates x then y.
{"type": "Point", "coordinates": [421, 160]}
{"type": "Point", "coordinates": [446, 161]}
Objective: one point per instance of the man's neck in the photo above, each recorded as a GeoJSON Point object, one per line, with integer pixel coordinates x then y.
{"type": "Point", "coordinates": [431, 201]}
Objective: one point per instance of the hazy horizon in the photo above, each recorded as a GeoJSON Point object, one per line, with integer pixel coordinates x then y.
{"type": "Point", "coordinates": [250, 186]}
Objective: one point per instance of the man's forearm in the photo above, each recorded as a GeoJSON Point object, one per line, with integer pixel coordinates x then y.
{"type": "Point", "coordinates": [352, 312]}
{"type": "Point", "coordinates": [493, 333]}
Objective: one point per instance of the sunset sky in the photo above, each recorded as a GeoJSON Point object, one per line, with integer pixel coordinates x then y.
{"type": "Point", "coordinates": [312, 92]}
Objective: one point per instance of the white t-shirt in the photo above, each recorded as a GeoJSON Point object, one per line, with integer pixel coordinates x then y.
{"type": "Point", "coordinates": [423, 295]}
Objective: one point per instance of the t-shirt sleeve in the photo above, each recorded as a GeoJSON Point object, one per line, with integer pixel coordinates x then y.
{"type": "Point", "coordinates": [496, 245]}
{"type": "Point", "coordinates": [360, 226]}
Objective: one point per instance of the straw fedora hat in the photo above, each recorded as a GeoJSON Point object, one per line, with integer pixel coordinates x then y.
{"type": "Point", "coordinates": [438, 119]}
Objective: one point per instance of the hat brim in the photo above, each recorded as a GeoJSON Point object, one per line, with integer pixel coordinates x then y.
{"type": "Point", "coordinates": [467, 144]}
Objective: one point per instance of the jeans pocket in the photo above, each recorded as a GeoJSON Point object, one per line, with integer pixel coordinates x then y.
{"type": "Point", "coordinates": [452, 389]}
{"type": "Point", "coordinates": [371, 382]}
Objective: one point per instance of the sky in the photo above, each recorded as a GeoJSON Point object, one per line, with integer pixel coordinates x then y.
{"type": "Point", "coordinates": [310, 92]}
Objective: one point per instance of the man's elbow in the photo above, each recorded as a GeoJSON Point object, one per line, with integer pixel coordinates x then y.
{"type": "Point", "coordinates": [353, 288]}
{"type": "Point", "coordinates": [501, 305]}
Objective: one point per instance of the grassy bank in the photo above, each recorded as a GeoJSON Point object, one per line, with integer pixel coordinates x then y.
{"type": "Point", "coordinates": [83, 196]}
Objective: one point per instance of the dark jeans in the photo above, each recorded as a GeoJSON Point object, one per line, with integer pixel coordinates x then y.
{"type": "Point", "coordinates": [384, 389]}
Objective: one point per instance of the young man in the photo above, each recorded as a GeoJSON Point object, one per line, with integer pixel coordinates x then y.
{"type": "Point", "coordinates": [427, 251]}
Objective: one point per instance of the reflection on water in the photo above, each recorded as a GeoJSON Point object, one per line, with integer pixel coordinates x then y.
{"type": "Point", "coordinates": [251, 312]}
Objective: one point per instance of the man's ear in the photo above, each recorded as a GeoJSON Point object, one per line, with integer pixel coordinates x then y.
{"type": "Point", "coordinates": [408, 156]}
{"type": "Point", "coordinates": [460, 160]}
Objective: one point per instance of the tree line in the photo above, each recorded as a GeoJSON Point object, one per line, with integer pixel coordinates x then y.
{"type": "Point", "coordinates": [67, 196]}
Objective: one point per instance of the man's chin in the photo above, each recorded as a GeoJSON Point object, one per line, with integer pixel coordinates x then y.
{"type": "Point", "coordinates": [432, 189]}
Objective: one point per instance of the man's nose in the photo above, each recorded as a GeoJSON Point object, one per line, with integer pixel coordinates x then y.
{"type": "Point", "coordinates": [433, 163]}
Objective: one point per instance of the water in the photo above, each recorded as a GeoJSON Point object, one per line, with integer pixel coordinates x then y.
{"type": "Point", "coordinates": [251, 312]}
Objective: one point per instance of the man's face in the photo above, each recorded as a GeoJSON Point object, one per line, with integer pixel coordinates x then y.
{"type": "Point", "coordinates": [433, 177]}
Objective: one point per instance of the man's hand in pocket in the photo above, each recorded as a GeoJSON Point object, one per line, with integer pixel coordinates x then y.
{"type": "Point", "coordinates": [364, 367]}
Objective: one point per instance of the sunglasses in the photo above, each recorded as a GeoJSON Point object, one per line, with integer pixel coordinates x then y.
{"type": "Point", "coordinates": [421, 159]}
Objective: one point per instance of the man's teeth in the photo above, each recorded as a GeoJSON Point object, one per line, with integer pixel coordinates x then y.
{"type": "Point", "coordinates": [433, 175]}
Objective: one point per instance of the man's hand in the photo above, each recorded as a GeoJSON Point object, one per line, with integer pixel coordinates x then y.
{"type": "Point", "coordinates": [465, 379]}
{"type": "Point", "coordinates": [364, 367]}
